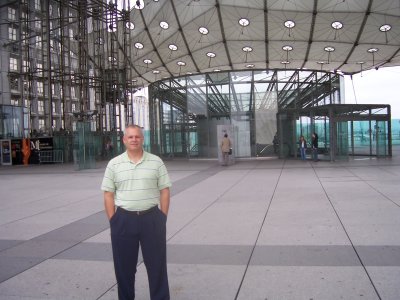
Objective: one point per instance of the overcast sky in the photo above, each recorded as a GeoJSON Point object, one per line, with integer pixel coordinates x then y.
{"type": "Point", "coordinates": [375, 87]}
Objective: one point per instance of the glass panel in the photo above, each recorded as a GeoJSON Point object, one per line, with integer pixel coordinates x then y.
{"type": "Point", "coordinates": [263, 75]}
{"type": "Point", "coordinates": [241, 118]}
{"type": "Point", "coordinates": [84, 150]}
{"type": "Point", "coordinates": [241, 76]}
{"type": "Point", "coordinates": [218, 78]}
{"type": "Point", "coordinates": [362, 138]}
{"type": "Point", "coordinates": [285, 75]}
{"type": "Point", "coordinates": [196, 80]}
{"type": "Point", "coordinates": [218, 101]}
{"type": "Point", "coordinates": [265, 120]}
{"type": "Point", "coordinates": [381, 138]}
{"type": "Point", "coordinates": [240, 97]}
{"type": "Point", "coordinates": [196, 101]}
{"type": "Point", "coordinates": [342, 140]}
{"type": "Point", "coordinates": [395, 131]}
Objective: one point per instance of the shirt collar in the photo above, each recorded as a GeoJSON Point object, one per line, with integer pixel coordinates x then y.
{"type": "Point", "coordinates": [127, 159]}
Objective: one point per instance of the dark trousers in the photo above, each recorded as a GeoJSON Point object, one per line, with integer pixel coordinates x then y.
{"type": "Point", "coordinates": [128, 231]}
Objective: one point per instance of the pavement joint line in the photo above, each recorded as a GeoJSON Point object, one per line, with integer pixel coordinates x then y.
{"type": "Point", "coordinates": [208, 206]}
{"type": "Point", "coordinates": [378, 191]}
{"type": "Point", "coordinates": [258, 234]}
{"type": "Point", "coordinates": [347, 234]}
{"type": "Point", "coordinates": [203, 174]}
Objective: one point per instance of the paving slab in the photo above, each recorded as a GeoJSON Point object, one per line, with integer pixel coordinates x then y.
{"type": "Point", "coordinates": [257, 229]}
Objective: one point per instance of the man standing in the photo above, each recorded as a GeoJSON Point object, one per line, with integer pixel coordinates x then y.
{"type": "Point", "coordinates": [225, 148]}
{"type": "Point", "coordinates": [314, 145]}
{"type": "Point", "coordinates": [134, 184]}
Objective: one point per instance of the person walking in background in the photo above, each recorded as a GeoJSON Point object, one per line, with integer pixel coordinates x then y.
{"type": "Point", "coordinates": [303, 147]}
{"type": "Point", "coordinates": [226, 146]}
{"type": "Point", "coordinates": [314, 145]}
{"type": "Point", "coordinates": [134, 184]}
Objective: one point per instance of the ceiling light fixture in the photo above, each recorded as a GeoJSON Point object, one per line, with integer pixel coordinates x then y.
{"type": "Point", "coordinates": [247, 50]}
{"type": "Point", "coordinates": [337, 26]}
{"type": "Point", "coordinates": [130, 25]}
{"type": "Point", "coordinates": [287, 48]}
{"type": "Point", "coordinates": [361, 65]}
{"type": "Point", "coordinates": [244, 22]}
{"type": "Point", "coordinates": [289, 24]}
{"type": "Point", "coordinates": [164, 25]}
{"type": "Point", "coordinates": [180, 64]}
{"type": "Point", "coordinates": [210, 55]}
{"type": "Point", "coordinates": [385, 28]}
{"type": "Point", "coordinates": [139, 4]}
{"type": "Point", "coordinates": [373, 51]}
{"type": "Point", "coordinates": [329, 49]}
{"type": "Point", "coordinates": [203, 30]}
{"type": "Point", "coordinates": [173, 47]}
{"type": "Point", "coordinates": [139, 45]}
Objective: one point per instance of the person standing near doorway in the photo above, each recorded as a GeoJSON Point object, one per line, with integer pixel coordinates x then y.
{"type": "Point", "coordinates": [303, 147]}
{"type": "Point", "coordinates": [135, 183]}
{"type": "Point", "coordinates": [314, 145]}
{"type": "Point", "coordinates": [226, 146]}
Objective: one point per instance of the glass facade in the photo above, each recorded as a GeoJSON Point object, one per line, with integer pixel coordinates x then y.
{"type": "Point", "coordinates": [185, 111]}
{"type": "Point", "coordinates": [268, 110]}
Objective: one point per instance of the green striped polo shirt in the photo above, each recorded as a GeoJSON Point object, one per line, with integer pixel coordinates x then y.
{"type": "Point", "coordinates": [136, 186]}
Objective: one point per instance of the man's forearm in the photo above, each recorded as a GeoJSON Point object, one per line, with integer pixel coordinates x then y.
{"type": "Point", "coordinates": [164, 200]}
{"type": "Point", "coordinates": [109, 204]}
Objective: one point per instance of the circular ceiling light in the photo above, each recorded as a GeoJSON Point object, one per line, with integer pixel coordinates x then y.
{"type": "Point", "coordinates": [147, 61]}
{"type": "Point", "coordinates": [112, 27]}
{"type": "Point", "coordinates": [321, 62]}
{"type": "Point", "coordinates": [173, 47]}
{"type": "Point", "coordinates": [139, 45]}
{"type": "Point", "coordinates": [329, 49]}
{"type": "Point", "coordinates": [139, 4]}
{"type": "Point", "coordinates": [373, 50]}
{"type": "Point", "coordinates": [289, 24]}
{"type": "Point", "coordinates": [244, 22]}
{"type": "Point", "coordinates": [211, 54]}
{"type": "Point", "coordinates": [385, 28]}
{"type": "Point", "coordinates": [360, 62]}
{"type": "Point", "coordinates": [250, 66]}
{"type": "Point", "coordinates": [130, 25]}
{"type": "Point", "coordinates": [217, 70]}
{"type": "Point", "coordinates": [247, 49]}
{"type": "Point", "coordinates": [181, 63]}
{"type": "Point", "coordinates": [164, 25]}
{"type": "Point", "coordinates": [337, 25]}
{"type": "Point", "coordinates": [287, 48]}
{"type": "Point", "coordinates": [156, 72]}
{"type": "Point", "coordinates": [285, 62]}
{"type": "Point", "coordinates": [203, 30]}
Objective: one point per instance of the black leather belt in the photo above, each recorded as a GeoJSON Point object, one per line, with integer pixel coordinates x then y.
{"type": "Point", "coordinates": [138, 212]}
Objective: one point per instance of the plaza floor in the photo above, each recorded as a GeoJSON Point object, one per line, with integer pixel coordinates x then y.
{"type": "Point", "coordinates": [258, 229]}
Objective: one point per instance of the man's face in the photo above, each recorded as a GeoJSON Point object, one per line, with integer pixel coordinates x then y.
{"type": "Point", "coordinates": [133, 139]}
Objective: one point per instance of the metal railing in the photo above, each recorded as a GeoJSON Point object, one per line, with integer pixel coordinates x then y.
{"type": "Point", "coordinates": [51, 156]}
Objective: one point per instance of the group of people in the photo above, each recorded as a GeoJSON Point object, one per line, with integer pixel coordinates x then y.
{"type": "Point", "coordinates": [314, 147]}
